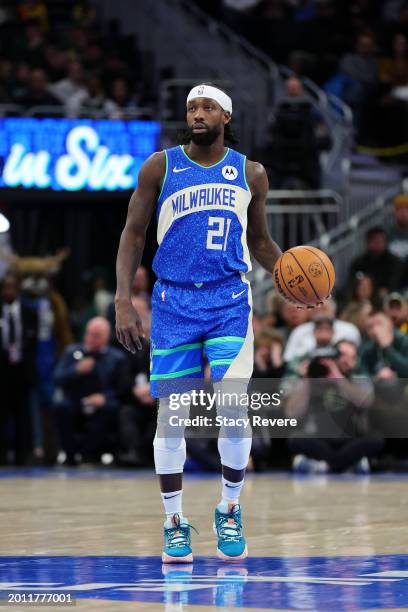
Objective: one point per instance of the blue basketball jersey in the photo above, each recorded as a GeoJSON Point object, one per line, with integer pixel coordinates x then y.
{"type": "Point", "coordinates": [202, 219]}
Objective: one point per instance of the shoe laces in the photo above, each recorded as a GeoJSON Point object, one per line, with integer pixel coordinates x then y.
{"type": "Point", "coordinates": [229, 528]}
{"type": "Point", "coordinates": [179, 535]}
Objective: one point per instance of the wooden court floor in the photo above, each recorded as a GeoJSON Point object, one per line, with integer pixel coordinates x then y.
{"type": "Point", "coordinates": [315, 543]}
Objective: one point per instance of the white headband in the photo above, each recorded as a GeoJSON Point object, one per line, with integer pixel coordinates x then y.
{"type": "Point", "coordinates": [213, 93]}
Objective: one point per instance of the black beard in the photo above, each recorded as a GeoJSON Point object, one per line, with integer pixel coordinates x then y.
{"type": "Point", "coordinates": [206, 138]}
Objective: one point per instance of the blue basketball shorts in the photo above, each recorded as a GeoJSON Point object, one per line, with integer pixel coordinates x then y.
{"type": "Point", "coordinates": [189, 321]}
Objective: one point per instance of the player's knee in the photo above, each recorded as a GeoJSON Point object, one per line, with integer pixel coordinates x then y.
{"type": "Point", "coordinates": [234, 452]}
{"type": "Point", "coordinates": [169, 455]}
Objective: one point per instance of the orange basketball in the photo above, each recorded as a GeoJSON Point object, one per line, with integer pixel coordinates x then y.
{"type": "Point", "coordinates": [304, 275]}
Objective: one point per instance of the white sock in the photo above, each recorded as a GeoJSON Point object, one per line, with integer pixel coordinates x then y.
{"type": "Point", "coordinates": [172, 502]}
{"type": "Point", "coordinates": [230, 491]}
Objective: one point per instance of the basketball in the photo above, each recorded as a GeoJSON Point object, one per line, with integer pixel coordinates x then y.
{"type": "Point", "coordinates": [304, 275]}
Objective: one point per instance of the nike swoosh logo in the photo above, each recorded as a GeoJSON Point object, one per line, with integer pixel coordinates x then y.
{"type": "Point", "coordinates": [171, 496]}
{"type": "Point", "coordinates": [175, 169]}
{"type": "Point", "coordinates": [235, 295]}
{"type": "Point", "coordinates": [232, 487]}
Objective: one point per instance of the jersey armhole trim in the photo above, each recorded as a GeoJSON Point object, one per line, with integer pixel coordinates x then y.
{"type": "Point", "coordinates": [245, 177]}
{"type": "Point", "coordinates": [165, 177]}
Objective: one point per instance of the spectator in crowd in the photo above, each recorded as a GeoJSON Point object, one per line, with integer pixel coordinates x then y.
{"type": "Point", "coordinates": [92, 99]}
{"type": "Point", "coordinates": [378, 262]}
{"type": "Point", "coordinates": [363, 289]}
{"type": "Point", "coordinates": [38, 94]}
{"type": "Point", "coordinates": [18, 84]}
{"type": "Point", "coordinates": [87, 377]}
{"type": "Point", "coordinates": [268, 355]}
{"type": "Point", "coordinates": [335, 408]}
{"type": "Point", "coordinates": [93, 58]}
{"type": "Point", "coordinates": [55, 63]}
{"type": "Point", "coordinates": [323, 336]}
{"type": "Point", "coordinates": [18, 336]}
{"type": "Point", "coordinates": [362, 64]}
{"type": "Point", "coordinates": [362, 292]}
{"type": "Point", "coordinates": [97, 302]}
{"type": "Point", "coordinates": [385, 357]}
{"type": "Point", "coordinates": [140, 286]}
{"type": "Point", "coordinates": [293, 155]}
{"type": "Point", "coordinates": [357, 313]}
{"type": "Point", "coordinates": [360, 70]}
{"type": "Point", "coordinates": [54, 334]}
{"type": "Point", "coordinates": [122, 97]}
{"type": "Point", "coordinates": [397, 233]}
{"type": "Point", "coordinates": [30, 47]}
{"type": "Point", "coordinates": [292, 317]}
{"type": "Point", "coordinates": [396, 307]}
{"type": "Point", "coordinates": [70, 86]}
{"type": "Point", "coordinates": [302, 339]}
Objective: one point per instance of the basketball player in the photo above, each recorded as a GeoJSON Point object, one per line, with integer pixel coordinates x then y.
{"type": "Point", "coordinates": [210, 207]}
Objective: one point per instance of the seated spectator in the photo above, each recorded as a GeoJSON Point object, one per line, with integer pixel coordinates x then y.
{"type": "Point", "coordinates": [362, 289]}
{"type": "Point", "coordinates": [396, 307]}
{"type": "Point", "coordinates": [18, 84]}
{"type": "Point", "coordinates": [68, 87]}
{"type": "Point", "coordinates": [38, 94]}
{"type": "Point", "coordinates": [323, 335]}
{"type": "Point", "coordinates": [378, 262]}
{"type": "Point", "coordinates": [302, 339]}
{"type": "Point", "coordinates": [335, 408]}
{"type": "Point", "coordinates": [357, 313]}
{"type": "Point", "coordinates": [385, 356]}
{"type": "Point", "coordinates": [397, 233]}
{"type": "Point", "coordinates": [293, 155]}
{"type": "Point", "coordinates": [359, 71]}
{"type": "Point", "coordinates": [362, 64]}
{"type": "Point", "coordinates": [55, 63]}
{"type": "Point", "coordinates": [29, 47]}
{"type": "Point", "coordinates": [268, 355]}
{"type": "Point", "coordinates": [93, 58]}
{"type": "Point", "coordinates": [140, 287]}
{"type": "Point", "coordinates": [87, 403]}
{"type": "Point", "coordinates": [18, 338]}
{"type": "Point", "coordinates": [122, 97]}
{"type": "Point", "coordinates": [91, 99]}
{"type": "Point", "coordinates": [292, 317]}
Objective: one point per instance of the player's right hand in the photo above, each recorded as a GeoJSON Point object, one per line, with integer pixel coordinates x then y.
{"type": "Point", "coordinates": [129, 328]}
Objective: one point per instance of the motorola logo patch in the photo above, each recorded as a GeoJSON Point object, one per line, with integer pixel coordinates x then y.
{"type": "Point", "coordinates": [230, 173]}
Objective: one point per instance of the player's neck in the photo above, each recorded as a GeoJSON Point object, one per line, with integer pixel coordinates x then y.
{"type": "Point", "coordinates": [206, 155]}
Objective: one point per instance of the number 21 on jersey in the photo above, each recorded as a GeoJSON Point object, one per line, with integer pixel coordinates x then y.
{"type": "Point", "coordinates": [219, 231]}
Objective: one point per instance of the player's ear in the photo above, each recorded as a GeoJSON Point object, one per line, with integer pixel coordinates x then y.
{"type": "Point", "coordinates": [227, 117]}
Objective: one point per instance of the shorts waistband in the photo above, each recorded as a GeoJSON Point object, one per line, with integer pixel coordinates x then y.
{"type": "Point", "coordinates": [207, 284]}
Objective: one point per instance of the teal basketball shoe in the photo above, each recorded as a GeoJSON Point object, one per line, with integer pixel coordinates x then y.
{"type": "Point", "coordinates": [177, 540]}
{"type": "Point", "coordinates": [231, 544]}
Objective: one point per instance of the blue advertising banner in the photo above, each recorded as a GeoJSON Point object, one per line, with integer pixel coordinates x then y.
{"type": "Point", "coordinates": [74, 154]}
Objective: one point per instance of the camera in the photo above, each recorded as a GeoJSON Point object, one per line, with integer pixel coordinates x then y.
{"type": "Point", "coordinates": [316, 368]}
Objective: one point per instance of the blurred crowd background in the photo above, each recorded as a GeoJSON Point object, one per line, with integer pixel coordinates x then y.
{"type": "Point", "coordinates": [57, 55]}
{"type": "Point", "coordinates": [69, 394]}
